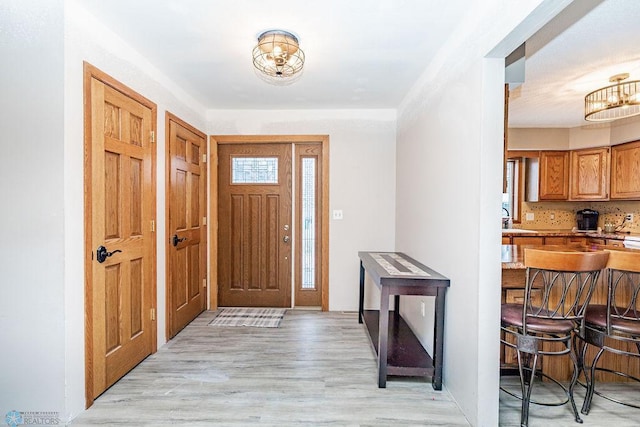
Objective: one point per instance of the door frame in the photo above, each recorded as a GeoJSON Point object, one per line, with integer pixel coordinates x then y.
{"type": "Point", "coordinates": [89, 72]}
{"type": "Point", "coordinates": [167, 203]}
{"type": "Point", "coordinates": [215, 141]}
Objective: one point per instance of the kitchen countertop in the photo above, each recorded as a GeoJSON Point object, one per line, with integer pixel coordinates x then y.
{"type": "Point", "coordinates": [512, 256]}
{"type": "Point", "coordinates": [569, 233]}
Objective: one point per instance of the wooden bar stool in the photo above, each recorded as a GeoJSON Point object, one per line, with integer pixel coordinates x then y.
{"type": "Point", "coordinates": [614, 327]}
{"type": "Point", "coordinates": [558, 287]}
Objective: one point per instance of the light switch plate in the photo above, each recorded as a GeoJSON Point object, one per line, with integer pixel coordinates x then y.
{"type": "Point", "coordinates": [529, 216]}
{"type": "Point", "coordinates": [337, 214]}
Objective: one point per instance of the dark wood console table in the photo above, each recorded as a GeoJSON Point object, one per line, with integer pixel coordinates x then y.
{"type": "Point", "coordinates": [399, 351]}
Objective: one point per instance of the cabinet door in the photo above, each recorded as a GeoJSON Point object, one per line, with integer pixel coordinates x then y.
{"type": "Point", "coordinates": [521, 240]}
{"type": "Point", "coordinates": [615, 243]}
{"type": "Point", "coordinates": [576, 240]}
{"type": "Point", "coordinates": [625, 171]}
{"type": "Point", "coordinates": [555, 240]}
{"type": "Point", "coordinates": [554, 175]}
{"type": "Point", "coordinates": [589, 174]}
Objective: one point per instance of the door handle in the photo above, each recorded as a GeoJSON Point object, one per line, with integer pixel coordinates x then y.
{"type": "Point", "coordinates": [102, 254]}
{"type": "Point", "coordinates": [286, 239]}
{"type": "Point", "coordinates": [175, 240]}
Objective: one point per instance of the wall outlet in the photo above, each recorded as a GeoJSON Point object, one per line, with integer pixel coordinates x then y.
{"type": "Point", "coordinates": [629, 217]}
{"type": "Point", "coordinates": [337, 214]}
{"type": "Point", "coordinates": [529, 216]}
{"type": "Point", "coordinates": [422, 308]}
{"type": "Point", "coordinates": [552, 216]}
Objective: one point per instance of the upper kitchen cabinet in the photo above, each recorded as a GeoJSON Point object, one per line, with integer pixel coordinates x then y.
{"type": "Point", "coordinates": [625, 171]}
{"type": "Point", "coordinates": [589, 174]}
{"type": "Point", "coordinates": [554, 175]}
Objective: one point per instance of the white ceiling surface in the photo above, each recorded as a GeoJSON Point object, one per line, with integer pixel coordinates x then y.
{"type": "Point", "coordinates": [564, 64]}
{"type": "Point", "coordinates": [364, 54]}
{"type": "Point", "coordinates": [360, 54]}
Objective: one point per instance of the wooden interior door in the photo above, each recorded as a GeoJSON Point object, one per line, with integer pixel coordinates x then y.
{"type": "Point", "coordinates": [120, 210]}
{"type": "Point", "coordinates": [254, 225]}
{"type": "Point", "coordinates": [187, 237]}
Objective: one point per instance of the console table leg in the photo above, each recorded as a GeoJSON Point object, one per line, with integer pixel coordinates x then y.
{"type": "Point", "coordinates": [438, 340]}
{"type": "Point", "coordinates": [361, 300]}
{"type": "Point", "coordinates": [383, 337]}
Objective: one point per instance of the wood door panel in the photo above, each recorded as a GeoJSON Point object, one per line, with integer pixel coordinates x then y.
{"type": "Point", "coordinates": [119, 209]}
{"type": "Point", "coordinates": [186, 271]}
{"type": "Point", "coordinates": [254, 267]}
{"type": "Point", "coordinates": [179, 276]}
{"type": "Point", "coordinates": [554, 175]}
{"type": "Point", "coordinates": [625, 171]}
{"type": "Point", "coordinates": [589, 174]}
{"type": "Point", "coordinates": [136, 298]}
{"type": "Point", "coordinates": [136, 197]}
{"type": "Point", "coordinates": [121, 178]}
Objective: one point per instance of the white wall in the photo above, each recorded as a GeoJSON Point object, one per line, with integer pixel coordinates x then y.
{"type": "Point", "coordinates": [32, 214]}
{"type": "Point", "coordinates": [590, 135]}
{"type": "Point", "coordinates": [538, 139]}
{"type": "Point", "coordinates": [361, 179]}
{"type": "Point", "coordinates": [448, 192]}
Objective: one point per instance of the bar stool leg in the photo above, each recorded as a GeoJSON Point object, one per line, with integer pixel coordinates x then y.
{"type": "Point", "coordinates": [526, 386]}
{"type": "Point", "coordinates": [591, 382]}
{"type": "Point", "coordinates": [574, 380]}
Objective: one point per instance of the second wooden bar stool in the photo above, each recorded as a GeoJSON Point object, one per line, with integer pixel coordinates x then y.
{"type": "Point", "coordinates": [614, 327]}
{"type": "Point", "coordinates": [558, 287]}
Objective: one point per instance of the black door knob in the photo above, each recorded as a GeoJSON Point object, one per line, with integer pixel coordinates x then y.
{"type": "Point", "coordinates": [175, 240]}
{"type": "Point", "coordinates": [102, 254]}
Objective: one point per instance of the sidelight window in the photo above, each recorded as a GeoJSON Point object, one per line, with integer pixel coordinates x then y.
{"type": "Point", "coordinates": [308, 223]}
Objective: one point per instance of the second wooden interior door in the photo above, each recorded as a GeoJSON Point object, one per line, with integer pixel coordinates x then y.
{"type": "Point", "coordinates": [187, 245]}
{"type": "Point", "coordinates": [254, 225]}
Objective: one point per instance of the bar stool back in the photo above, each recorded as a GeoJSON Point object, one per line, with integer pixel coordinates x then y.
{"type": "Point", "coordinates": [564, 280]}
{"type": "Point", "coordinates": [614, 327]}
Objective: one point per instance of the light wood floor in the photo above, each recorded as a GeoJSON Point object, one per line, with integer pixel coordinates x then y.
{"type": "Point", "coordinates": [316, 369]}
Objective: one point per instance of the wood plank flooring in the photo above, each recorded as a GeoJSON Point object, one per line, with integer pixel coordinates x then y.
{"type": "Point", "coordinates": [317, 369]}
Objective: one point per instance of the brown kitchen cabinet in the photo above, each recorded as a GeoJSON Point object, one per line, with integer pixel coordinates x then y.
{"type": "Point", "coordinates": [527, 240]}
{"type": "Point", "coordinates": [555, 240]}
{"type": "Point", "coordinates": [576, 240]}
{"type": "Point", "coordinates": [589, 174]}
{"type": "Point", "coordinates": [625, 171]}
{"type": "Point", "coordinates": [554, 175]}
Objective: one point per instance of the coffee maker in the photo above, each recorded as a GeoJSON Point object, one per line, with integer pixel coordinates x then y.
{"type": "Point", "coordinates": [587, 219]}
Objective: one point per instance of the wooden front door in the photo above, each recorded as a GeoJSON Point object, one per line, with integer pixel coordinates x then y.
{"type": "Point", "coordinates": [120, 210]}
{"type": "Point", "coordinates": [254, 225]}
{"type": "Point", "coordinates": [186, 217]}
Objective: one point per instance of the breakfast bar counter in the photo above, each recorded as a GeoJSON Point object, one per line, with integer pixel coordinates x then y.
{"type": "Point", "coordinates": [513, 281]}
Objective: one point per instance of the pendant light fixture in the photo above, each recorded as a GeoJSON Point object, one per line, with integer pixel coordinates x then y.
{"type": "Point", "coordinates": [278, 55]}
{"type": "Point", "coordinates": [620, 100]}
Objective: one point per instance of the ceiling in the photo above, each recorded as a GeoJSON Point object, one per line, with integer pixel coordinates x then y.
{"type": "Point", "coordinates": [359, 53]}
{"type": "Point", "coordinates": [363, 54]}
{"type": "Point", "coordinates": [574, 54]}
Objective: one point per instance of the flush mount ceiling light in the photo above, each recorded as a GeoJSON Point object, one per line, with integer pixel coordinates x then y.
{"type": "Point", "coordinates": [617, 101]}
{"type": "Point", "coordinates": [278, 55]}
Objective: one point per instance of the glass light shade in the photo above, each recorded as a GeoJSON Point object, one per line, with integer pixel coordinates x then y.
{"type": "Point", "coordinates": [278, 54]}
{"type": "Point", "coordinates": [613, 102]}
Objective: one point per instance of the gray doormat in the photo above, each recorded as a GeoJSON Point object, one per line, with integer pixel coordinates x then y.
{"type": "Point", "coordinates": [243, 316]}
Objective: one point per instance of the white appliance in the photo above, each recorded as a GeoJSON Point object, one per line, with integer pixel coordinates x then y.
{"type": "Point", "coordinates": [632, 242]}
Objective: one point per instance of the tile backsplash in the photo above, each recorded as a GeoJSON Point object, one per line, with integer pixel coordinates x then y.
{"type": "Point", "coordinates": [562, 215]}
